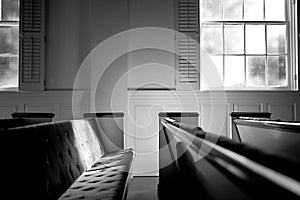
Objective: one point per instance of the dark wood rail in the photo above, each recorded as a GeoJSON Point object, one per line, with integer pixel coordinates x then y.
{"type": "Point", "coordinates": [288, 126]}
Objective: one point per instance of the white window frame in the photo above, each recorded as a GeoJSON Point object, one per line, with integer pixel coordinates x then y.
{"type": "Point", "coordinates": [292, 47]}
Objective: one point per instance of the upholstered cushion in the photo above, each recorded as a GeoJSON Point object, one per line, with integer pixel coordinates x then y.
{"type": "Point", "coordinates": [106, 179]}
{"type": "Point", "coordinates": [87, 141]}
{"type": "Point", "coordinates": [42, 161]}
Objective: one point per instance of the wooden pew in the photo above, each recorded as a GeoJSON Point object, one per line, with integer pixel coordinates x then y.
{"type": "Point", "coordinates": [213, 167]}
{"type": "Point", "coordinates": [62, 160]}
{"type": "Point", "coordinates": [22, 119]}
{"type": "Point", "coordinates": [273, 136]}
{"type": "Point", "coordinates": [237, 115]}
{"type": "Point", "coordinates": [35, 116]}
{"type": "Point", "coordinates": [167, 154]}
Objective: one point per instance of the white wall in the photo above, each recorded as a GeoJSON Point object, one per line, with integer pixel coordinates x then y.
{"type": "Point", "coordinates": [74, 28]}
{"type": "Point", "coordinates": [63, 43]}
{"type": "Point", "coordinates": [151, 68]}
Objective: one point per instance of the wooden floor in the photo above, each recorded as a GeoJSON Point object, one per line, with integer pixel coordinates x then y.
{"type": "Point", "coordinates": [143, 188]}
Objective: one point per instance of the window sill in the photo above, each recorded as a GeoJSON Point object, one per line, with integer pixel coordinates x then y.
{"type": "Point", "coordinates": [14, 89]}
{"type": "Point", "coordinates": [251, 89]}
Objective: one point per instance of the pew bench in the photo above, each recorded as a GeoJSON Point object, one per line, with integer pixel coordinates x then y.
{"type": "Point", "coordinates": [62, 160]}
{"type": "Point", "coordinates": [276, 136]}
{"type": "Point", "coordinates": [214, 167]}
{"type": "Point", "coordinates": [16, 122]}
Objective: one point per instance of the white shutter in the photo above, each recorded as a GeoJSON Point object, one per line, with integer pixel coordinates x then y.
{"type": "Point", "coordinates": [188, 48]}
{"type": "Point", "coordinates": [188, 16]}
{"type": "Point", "coordinates": [188, 61]}
{"type": "Point", "coordinates": [32, 45]}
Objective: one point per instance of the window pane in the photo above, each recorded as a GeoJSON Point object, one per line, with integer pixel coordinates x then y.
{"type": "Point", "coordinates": [255, 70]}
{"type": "Point", "coordinates": [234, 39]}
{"type": "Point", "coordinates": [255, 39]}
{"type": "Point", "coordinates": [9, 72]}
{"type": "Point", "coordinates": [5, 40]}
{"type": "Point", "coordinates": [9, 40]}
{"type": "Point", "coordinates": [233, 9]}
{"type": "Point", "coordinates": [254, 10]}
{"type": "Point", "coordinates": [275, 10]}
{"type": "Point", "coordinates": [218, 64]}
{"type": "Point", "coordinates": [210, 9]}
{"type": "Point", "coordinates": [276, 39]}
{"type": "Point", "coordinates": [212, 39]}
{"type": "Point", "coordinates": [211, 72]}
{"type": "Point", "coordinates": [234, 71]}
{"type": "Point", "coordinates": [10, 10]}
{"type": "Point", "coordinates": [277, 71]}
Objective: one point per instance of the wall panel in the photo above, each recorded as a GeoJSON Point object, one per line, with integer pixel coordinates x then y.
{"type": "Point", "coordinates": [7, 109]}
{"type": "Point", "coordinates": [35, 107]}
{"type": "Point", "coordinates": [282, 111]}
{"type": "Point", "coordinates": [247, 106]}
{"type": "Point", "coordinates": [213, 118]}
{"type": "Point", "coordinates": [65, 112]}
{"type": "Point", "coordinates": [144, 134]}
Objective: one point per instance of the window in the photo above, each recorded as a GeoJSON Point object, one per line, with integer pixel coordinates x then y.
{"type": "Point", "coordinates": [9, 43]}
{"type": "Point", "coordinates": [252, 43]}
{"type": "Point", "coordinates": [22, 44]}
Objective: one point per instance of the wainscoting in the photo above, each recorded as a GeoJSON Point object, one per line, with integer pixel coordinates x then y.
{"type": "Point", "coordinates": [57, 102]}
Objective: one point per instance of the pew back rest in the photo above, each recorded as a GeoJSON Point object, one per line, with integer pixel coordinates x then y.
{"type": "Point", "coordinates": [45, 159]}
{"type": "Point", "coordinates": [17, 122]}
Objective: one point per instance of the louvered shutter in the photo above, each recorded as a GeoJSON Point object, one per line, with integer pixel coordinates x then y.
{"type": "Point", "coordinates": [187, 46]}
{"type": "Point", "coordinates": [32, 45]}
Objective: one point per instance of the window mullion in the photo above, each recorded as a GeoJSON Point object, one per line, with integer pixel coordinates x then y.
{"type": "Point", "coordinates": [223, 50]}
{"type": "Point", "coordinates": [222, 10]}
{"type": "Point", "coordinates": [266, 56]}
{"type": "Point", "coordinates": [264, 9]}
{"type": "Point", "coordinates": [243, 10]}
{"type": "Point", "coordinates": [0, 10]}
{"type": "Point", "coordinates": [245, 57]}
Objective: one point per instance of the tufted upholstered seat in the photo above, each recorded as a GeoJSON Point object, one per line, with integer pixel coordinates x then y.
{"type": "Point", "coordinates": [103, 179]}
{"type": "Point", "coordinates": [50, 160]}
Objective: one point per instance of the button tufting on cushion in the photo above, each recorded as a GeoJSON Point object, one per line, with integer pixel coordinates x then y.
{"type": "Point", "coordinates": [103, 178]}
{"type": "Point", "coordinates": [63, 160]}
